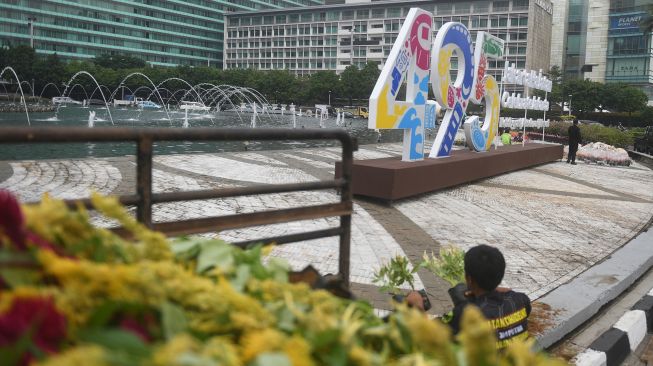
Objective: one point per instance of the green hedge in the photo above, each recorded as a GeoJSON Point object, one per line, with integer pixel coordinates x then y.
{"type": "Point", "coordinates": [638, 119]}
{"type": "Point", "coordinates": [596, 133]}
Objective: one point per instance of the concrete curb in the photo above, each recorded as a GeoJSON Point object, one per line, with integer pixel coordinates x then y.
{"type": "Point", "coordinates": [577, 301]}
{"type": "Point", "coordinates": [615, 344]}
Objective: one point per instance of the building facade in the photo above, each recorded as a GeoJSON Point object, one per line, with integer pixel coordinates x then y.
{"type": "Point", "coordinates": [629, 47]}
{"type": "Point", "coordinates": [334, 36]}
{"type": "Point", "coordinates": [161, 32]}
{"type": "Point", "coordinates": [603, 41]}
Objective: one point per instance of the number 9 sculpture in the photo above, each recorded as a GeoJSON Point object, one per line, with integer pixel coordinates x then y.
{"type": "Point", "coordinates": [410, 61]}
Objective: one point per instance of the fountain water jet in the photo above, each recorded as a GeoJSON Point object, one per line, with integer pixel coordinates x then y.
{"type": "Point", "coordinates": [96, 83]}
{"type": "Point", "coordinates": [8, 68]}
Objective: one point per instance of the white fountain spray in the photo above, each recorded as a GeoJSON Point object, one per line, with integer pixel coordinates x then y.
{"type": "Point", "coordinates": [186, 119]}
{"type": "Point", "coordinates": [8, 68]}
{"type": "Point", "coordinates": [91, 119]}
{"type": "Point", "coordinates": [56, 113]}
{"type": "Point", "coordinates": [294, 115]}
{"type": "Point", "coordinates": [254, 115]}
{"type": "Point", "coordinates": [155, 90]}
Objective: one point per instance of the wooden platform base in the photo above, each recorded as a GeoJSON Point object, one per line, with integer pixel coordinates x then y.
{"type": "Point", "coordinates": [392, 179]}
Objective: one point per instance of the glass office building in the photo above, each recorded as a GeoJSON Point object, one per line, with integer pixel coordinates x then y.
{"type": "Point", "coordinates": [161, 32]}
{"type": "Point", "coordinates": [630, 55]}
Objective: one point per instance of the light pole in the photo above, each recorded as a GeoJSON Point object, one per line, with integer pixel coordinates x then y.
{"type": "Point", "coordinates": [570, 104]}
{"type": "Point", "coordinates": [329, 98]}
{"type": "Point", "coordinates": [30, 24]}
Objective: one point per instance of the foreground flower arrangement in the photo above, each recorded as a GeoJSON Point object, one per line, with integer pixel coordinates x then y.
{"type": "Point", "coordinates": [75, 294]}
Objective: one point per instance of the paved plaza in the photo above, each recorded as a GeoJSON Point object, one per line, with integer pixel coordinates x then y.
{"type": "Point", "coordinates": [552, 222]}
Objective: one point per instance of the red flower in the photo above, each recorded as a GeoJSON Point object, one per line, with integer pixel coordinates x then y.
{"type": "Point", "coordinates": [36, 317]}
{"type": "Point", "coordinates": [12, 222]}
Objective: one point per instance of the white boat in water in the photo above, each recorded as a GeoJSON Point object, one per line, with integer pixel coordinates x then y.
{"type": "Point", "coordinates": [194, 106]}
{"type": "Point", "coordinates": [148, 104]}
{"type": "Point", "coordinates": [64, 100]}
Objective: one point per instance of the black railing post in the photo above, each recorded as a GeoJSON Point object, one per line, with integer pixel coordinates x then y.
{"type": "Point", "coordinates": [346, 195]}
{"type": "Point", "coordinates": [144, 181]}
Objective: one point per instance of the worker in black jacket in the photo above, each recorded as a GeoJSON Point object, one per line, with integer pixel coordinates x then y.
{"type": "Point", "coordinates": [506, 310]}
{"type": "Point", "coordinates": [574, 140]}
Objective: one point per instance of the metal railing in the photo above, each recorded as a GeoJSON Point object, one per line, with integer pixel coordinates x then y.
{"type": "Point", "coordinates": [144, 198]}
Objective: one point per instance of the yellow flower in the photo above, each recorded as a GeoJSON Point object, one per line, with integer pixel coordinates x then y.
{"type": "Point", "coordinates": [257, 342]}
{"type": "Point", "coordinates": [222, 350]}
{"type": "Point", "coordinates": [298, 351]}
{"type": "Point", "coordinates": [520, 353]}
{"type": "Point", "coordinates": [168, 353]}
{"type": "Point", "coordinates": [153, 245]}
{"type": "Point", "coordinates": [78, 356]}
{"type": "Point", "coordinates": [360, 356]}
{"type": "Point", "coordinates": [210, 307]}
{"type": "Point", "coordinates": [478, 338]}
{"type": "Point", "coordinates": [430, 337]}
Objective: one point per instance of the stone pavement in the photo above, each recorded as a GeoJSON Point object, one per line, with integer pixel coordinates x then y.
{"type": "Point", "coordinates": [551, 222]}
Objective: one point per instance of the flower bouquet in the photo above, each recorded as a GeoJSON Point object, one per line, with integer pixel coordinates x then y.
{"type": "Point", "coordinates": [75, 294]}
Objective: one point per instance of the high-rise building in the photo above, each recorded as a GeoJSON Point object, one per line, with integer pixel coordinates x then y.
{"type": "Point", "coordinates": [161, 32]}
{"type": "Point", "coordinates": [334, 36]}
{"type": "Point", "coordinates": [602, 40]}
{"type": "Point", "coordinates": [629, 47]}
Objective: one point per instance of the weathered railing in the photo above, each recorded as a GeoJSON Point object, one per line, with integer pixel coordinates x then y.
{"type": "Point", "coordinates": [144, 198]}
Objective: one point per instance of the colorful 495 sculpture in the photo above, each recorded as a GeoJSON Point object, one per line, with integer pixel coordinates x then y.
{"type": "Point", "coordinates": [410, 60]}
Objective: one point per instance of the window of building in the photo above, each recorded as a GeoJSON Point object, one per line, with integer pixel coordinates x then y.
{"type": "Point", "coordinates": [293, 18]}
{"type": "Point", "coordinates": [347, 15]}
{"type": "Point", "coordinates": [500, 5]}
{"type": "Point", "coordinates": [444, 9]}
{"type": "Point", "coordinates": [280, 19]}
{"type": "Point", "coordinates": [462, 8]}
{"type": "Point", "coordinates": [481, 7]}
{"type": "Point", "coordinates": [362, 14]}
{"type": "Point", "coordinates": [519, 5]}
{"type": "Point", "coordinates": [635, 45]}
{"type": "Point", "coordinates": [306, 17]}
{"type": "Point", "coordinates": [268, 19]}
{"type": "Point", "coordinates": [378, 13]}
{"type": "Point", "coordinates": [333, 15]}
{"type": "Point", "coordinates": [394, 12]}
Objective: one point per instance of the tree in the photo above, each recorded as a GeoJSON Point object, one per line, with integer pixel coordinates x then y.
{"type": "Point", "coordinates": [49, 70]}
{"type": "Point", "coordinates": [321, 84]}
{"type": "Point", "coordinates": [21, 59]}
{"type": "Point", "coordinates": [586, 95]}
{"type": "Point", "coordinates": [117, 62]}
{"type": "Point", "coordinates": [622, 97]}
{"type": "Point", "coordinates": [632, 100]}
{"type": "Point", "coordinates": [369, 75]}
{"type": "Point", "coordinates": [350, 83]}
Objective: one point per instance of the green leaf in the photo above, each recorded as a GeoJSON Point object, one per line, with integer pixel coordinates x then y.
{"type": "Point", "coordinates": [12, 355]}
{"type": "Point", "coordinates": [286, 320]}
{"type": "Point", "coordinates": [116, 340]}
{"type": "Point", "coordinates": [173, 319]}
{"type": "Point", "coordinates": [186, 248]}
{"type": "Point", "coordinates": [16, 277]}
{"type": "Point", "coordinates": [243, 275]}
{"type": "Point", "coordinates": [215, 253]}
{"type": "Point", "coordinates": [271, 359]}
{"type": "Point", "coordinates": [326, 338]}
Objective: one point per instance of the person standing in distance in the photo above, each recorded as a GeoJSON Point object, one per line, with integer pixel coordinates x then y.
{"type": "Point", "coordinates": [574, 140]}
